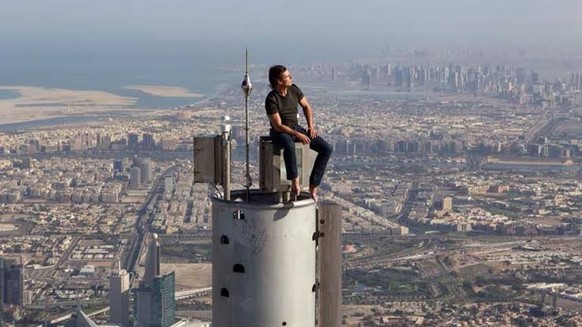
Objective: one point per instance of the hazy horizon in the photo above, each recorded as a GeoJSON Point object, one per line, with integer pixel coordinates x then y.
{"type": "Point", "coordinates": [278, 30]}
{"type": "Point", "coordinates": [65, 42]}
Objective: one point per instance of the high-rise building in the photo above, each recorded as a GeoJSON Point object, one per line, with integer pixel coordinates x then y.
{"type": "Point", "coordinates": [448, 203]}
{"type": "Point", "coordinates": [155, 304]}
{"type": "Point", "coordinates": [135, 161]}
{"type": "Point", "coordinates": [2, 300]}
{"type": "Point", "coordinates": [163, 300]}
{"type": "Point", "coordinates": [12, 282]}
{"type": "Point", "coordinates": [145, 167]}
{"type": "Point", "coordinates": [132, 140]}
{"type": "Point", "coordinates": [134, 178]}
{"type": "Point", "coordinates": [169, 186]}
{"type": "Point", "coordinates": [148, 142]}
{"type": "Point", "coordinates": [118, 166]}
{"type": "Point", "coordinates": [103, 141]}
{"type": "Point", "coordinates": [119, 298]}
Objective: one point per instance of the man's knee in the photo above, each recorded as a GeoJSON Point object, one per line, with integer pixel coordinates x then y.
{"type": "Point", "coordinates": [326, 150]}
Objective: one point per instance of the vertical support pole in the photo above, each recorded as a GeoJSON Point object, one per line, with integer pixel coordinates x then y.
{"type": "Point", "coordinates": [247, 150]}
{"type": "Point", "coordinates": [247, 88]}
{"type": "Point", "coordinates": [329, 264]}
{"type": "Point", "coordinates": [226, 164]}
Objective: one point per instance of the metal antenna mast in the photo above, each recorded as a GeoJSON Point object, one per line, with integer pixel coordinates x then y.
{"type": "Point", "coordinates": [247, 87]}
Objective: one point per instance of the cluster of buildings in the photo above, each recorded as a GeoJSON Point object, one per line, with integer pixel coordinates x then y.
{"type": "Point", "coordinates": [168, 132]}
{"type": "Point", "coordinates": [61, 179]}
{"type": "Point", "coordinates": [152, 303]}
{"type": "Point", "coordinates": [184, 206]}
{"type": "Point", "coordinates": [463, 315]}
{"type": "Point", "coordinates": [514, 83]}
{"type": "Point", "coordinates": [83, 141]}
{"type": "Point", "coordinates": [514, 205]}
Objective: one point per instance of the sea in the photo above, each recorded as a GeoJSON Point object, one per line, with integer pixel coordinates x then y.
{"type": "Point", "coordinates": [112, 70]}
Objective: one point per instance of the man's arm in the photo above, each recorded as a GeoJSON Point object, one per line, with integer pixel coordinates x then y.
{"type": "Point", "coordinates": [275, 120]}
{"type": "Point", "coordinates": [308, 112]}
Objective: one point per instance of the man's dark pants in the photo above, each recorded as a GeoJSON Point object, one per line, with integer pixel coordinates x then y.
{"type": "Point", "coordinates": [318, 144]}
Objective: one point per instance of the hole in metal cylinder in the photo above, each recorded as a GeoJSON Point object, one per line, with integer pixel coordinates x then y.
{"type": "Point", "coordinates": [238, 268]}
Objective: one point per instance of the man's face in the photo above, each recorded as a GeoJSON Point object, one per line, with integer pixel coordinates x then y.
{"type": "Point", "coordinates": [286, 79]}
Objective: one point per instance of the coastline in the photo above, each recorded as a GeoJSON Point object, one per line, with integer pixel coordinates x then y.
{"type": "Point", "coordinates": [36, 107]}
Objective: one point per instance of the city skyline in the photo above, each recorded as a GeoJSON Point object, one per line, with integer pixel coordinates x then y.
{"type": "Point", "coordinates": [215, 29]}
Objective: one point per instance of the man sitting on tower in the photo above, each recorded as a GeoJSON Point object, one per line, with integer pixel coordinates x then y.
{"type": "Point", "coordinates": [281, 105]}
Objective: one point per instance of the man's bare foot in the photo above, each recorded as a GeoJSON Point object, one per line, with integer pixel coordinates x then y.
{"type": "Point", "coordinates": [313, 192]}
{"type": "Point", "coordinates": [295, 186]}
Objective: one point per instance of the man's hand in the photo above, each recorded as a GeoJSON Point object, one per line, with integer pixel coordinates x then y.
{"type": "Point", "coordinates": [304, 139]}
{"type": "Point", "coordinates": [312, 133]}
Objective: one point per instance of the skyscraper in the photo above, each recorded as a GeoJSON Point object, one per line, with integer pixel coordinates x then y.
{"type": "Point", "coordinates": [12, 281]}
{"type": "Point", "coordinates": [145, 167]}
{"type": "Point", "coordinates": [163, 300]}
{"type": "Point", "coordinates": [155, 299]}
{"type": "Point", "coordinates": [118, 166]}
{"type": "Point", "coordinates": [119, 297]}
{"type": "Point", "coordinates": [148, 141]}
{"type": "Point", "coordinates": [134, 178]}
{"type": "Point", "coordinates": [132, 140]}
{"type": "Point", "coordinates": [2, 292]}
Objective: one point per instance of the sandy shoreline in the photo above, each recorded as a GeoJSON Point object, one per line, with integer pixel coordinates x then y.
{"type": "Point", "coordinates": [36, 103]}
{"type": "Point", "coordinates": [39, 103]}
{"type": "Point", "coordinates": [164, 91]}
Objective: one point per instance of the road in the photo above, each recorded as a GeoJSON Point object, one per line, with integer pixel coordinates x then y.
{"type": "Point", "coordinates": [143, 223]}
{"type": "Point", "coordinates": [49, 273]}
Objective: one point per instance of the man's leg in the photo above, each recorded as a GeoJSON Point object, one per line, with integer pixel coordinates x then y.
{"type": "Point", "coordinates": [287, 142]}
{"type": "Point", "coordinates": [324, 151]}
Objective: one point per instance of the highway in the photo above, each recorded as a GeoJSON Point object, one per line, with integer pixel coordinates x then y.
{"type": "Point", "coordinates": [48, 274]}
{"type": "Point", "coordinates": [143, 224]}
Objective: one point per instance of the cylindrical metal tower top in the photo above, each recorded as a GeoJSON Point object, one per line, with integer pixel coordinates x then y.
{"type": "Point", "coordinates": [263, 261]}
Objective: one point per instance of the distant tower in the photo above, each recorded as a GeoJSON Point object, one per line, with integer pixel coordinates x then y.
{"type": "Point", "coordinates": [118, 166]}
{"type": "Point", "coordinates": [132, 140]}
{"type": "Point", "coordinates": [155, 299]}
{"type": "Point", "coordinates": [119, 297]}
{"type": "Point", "coordinates": [163, 300]}
{"type": "Point", "coordinates": [148, 141]}
{"type": "Point", "coordinates": [145, 166]}
{"type": "Point", "coordinates": [152, 267]}
{"type": "Point", "coordinates": [169, 186]}
{"type": "Point", "coordinates": [14, 284]}
{"type": "Point", "coordinates": [2, 292]}
{"type": "Point", "coordinates": [134, 178]}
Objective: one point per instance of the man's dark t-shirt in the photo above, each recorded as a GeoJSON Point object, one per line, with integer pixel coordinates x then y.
{"type": "Point", "coordinates": [286, 106]}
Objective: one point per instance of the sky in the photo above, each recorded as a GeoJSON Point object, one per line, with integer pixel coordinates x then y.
{"type": "Point", "coordinates": [283, 31]}
{"type": "Point", "coordinates": [336, 25]}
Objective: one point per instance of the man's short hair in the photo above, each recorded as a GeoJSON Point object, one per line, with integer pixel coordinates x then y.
{"type": "Point", "coordinates": [275, 73]}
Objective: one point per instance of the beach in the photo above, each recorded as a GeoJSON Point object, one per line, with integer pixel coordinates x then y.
{"type": "Point", "coordinates": [36, 103]}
